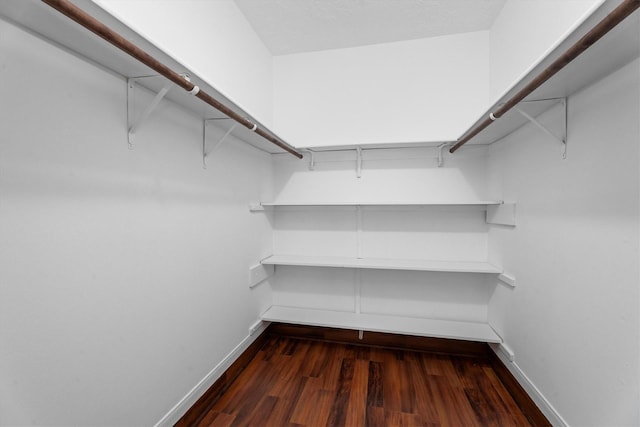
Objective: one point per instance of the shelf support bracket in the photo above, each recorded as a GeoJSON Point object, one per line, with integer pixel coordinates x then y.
{"type": "Point", "coordinates": [359, 162]}
{"type": "Point", "coordinates": [134, 125]}
{"type": "Point", "coordinates": [312, 160]}
{"type": "Point", "coordinates": [561, 139]}
{"type": "Point", "coordinates": [440, 155]}
{"type": "Point", "coordinates": [205, 153]}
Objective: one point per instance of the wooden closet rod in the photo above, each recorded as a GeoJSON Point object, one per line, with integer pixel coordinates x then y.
{"type": "Point", "coordinates": [90, 23]}
{"type": "Point", "coordinates": [626, 8]}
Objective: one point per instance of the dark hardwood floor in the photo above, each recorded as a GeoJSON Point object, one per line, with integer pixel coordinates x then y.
{"type": "Point", "coordinates": [299, 382]}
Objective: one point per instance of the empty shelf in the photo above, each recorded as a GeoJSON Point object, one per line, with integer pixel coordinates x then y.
{"type": "Point", "coordinates": [469, 331]}
{"type": "Point", "coordinates": [436, 203]}
{"type": "Point", "coordinates": [383, 264]}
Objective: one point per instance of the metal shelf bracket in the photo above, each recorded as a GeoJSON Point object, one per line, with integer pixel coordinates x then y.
{"type": "Point", "coordinates": [562, 139]}
{"type": "Point", "coordinates": [312, 159]}
{"type": "Point", "coordinates": [206, 153]}
{"type": "Point", "coordinates": [133, 124]}
{"type": "Point", "coordinates": [359, 162]}
{"type": "Point", "coordinates": [440, 155]}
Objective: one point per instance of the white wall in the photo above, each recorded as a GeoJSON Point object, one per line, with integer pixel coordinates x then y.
{"type": "Point", "coordinates": [525, 31]}
{"type": "Point", "coordinates": [123, 274]}
{"type": "Point", "coordinates": [418, 90]}
{"type": "Point", "coordinates": [573, 319]}
{"type": "Point", "coordinates": [213, 40]}
{"type": "Point", "coordinates": [390, 175]}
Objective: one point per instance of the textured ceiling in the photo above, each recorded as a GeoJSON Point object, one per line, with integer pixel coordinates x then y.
{"type": "Point", "coordinates": [293, 26]}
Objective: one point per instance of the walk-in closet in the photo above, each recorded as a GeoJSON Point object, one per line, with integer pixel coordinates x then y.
{"type": "Point", "coordinates": [443, 193]}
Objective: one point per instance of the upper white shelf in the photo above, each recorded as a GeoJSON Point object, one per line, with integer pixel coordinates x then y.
{"type": "Point", "coordinates": [383, 264]}
{"type": "Point", "coordinates": [399, 203]}
{"type": "Point", "coordinates": [40, 19]}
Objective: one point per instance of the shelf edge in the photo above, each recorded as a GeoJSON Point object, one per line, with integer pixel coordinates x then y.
{"type": "Point", "coordinates": [369, 322]}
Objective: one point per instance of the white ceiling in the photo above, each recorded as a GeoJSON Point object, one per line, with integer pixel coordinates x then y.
{"type": "Point", "coordinates": [293, 26]}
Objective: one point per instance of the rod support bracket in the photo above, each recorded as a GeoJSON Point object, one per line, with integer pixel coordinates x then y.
{"type": "Point", "coordinates": [206, 153]}
{"type": "Point", "coordinates": [562, 139]}
{"type": "Point", "coordinates": [359, 162]}
{"type": "Point", "coordinates": [440, 148]}
{"type": "Point", "coordinates": [134, 123]}
{"type": "Point", "coordinates": [312, 159]}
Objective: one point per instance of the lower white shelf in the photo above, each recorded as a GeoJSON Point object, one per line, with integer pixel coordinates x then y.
{"type": "Point", "coordinates": [383, 263]}
{"type": "Point", "coordinates": [468, 331]}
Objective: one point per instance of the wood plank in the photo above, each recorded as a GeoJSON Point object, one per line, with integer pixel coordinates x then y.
{"type": "Point", "coordinates": [453, 408]}
{"type": "Point", "coordinates": [314, 406]}
{"type": "Point", "coordinates": [391, 388]}
{"type": "Point", "coordinates": [375, 395]}
{"type": "Point", "coordinates": [317, 360]}
{"type": "Point", "coordinates": [403, 419]}
{"type": "Point", "coordinates": [217, 419]}
{"type": "Point", "coordinates": [357, 408]}
{"type": "Point", "coordinates": [302, 412]}
{"type": "Point", "coordinates": [424, 397]}
{"type": "Point", "coordinates": [281, 414]}
{"type": "Point", "coordinates": [261, 413]}
{"type": "Point", "coordinates": [293, 362]}
{"type": "Point", "coordinates": [408, 396]}
{"type": "Point", "coordinates": [375, 417]}
{"type": "Point", "coordinates": [338, 415]}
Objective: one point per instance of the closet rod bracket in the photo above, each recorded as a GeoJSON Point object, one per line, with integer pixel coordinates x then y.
{"type": "Point", "coordinates": [312, 159]}
{"type": "Point", "coordinates": [133, 124]}
{"type": "Point", "coordinates": [359, 162]}
{"type": "Point", "coordinates": [440, 155]}
{"type": "Point", "coordinates": [562, 139]}
{"type": "Point", "coordinates": [205, 153]}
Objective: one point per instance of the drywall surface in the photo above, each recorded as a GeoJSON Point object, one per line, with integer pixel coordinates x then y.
{"type": "Point", "coordinates": [212, 39]}
{"type": "Point", "coordinates": [387, 175]}
{"type": "Point", "coordinates": [419, 90]}
{"type": "Point", "coordinates": [525, 31]}
{"type": "Point", "coordinates": [123, 273]}
{"type": "Point", "coordinates": [573, 319]}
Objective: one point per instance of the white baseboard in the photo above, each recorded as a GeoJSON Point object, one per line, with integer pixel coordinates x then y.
{"type": "Point", "coordinates": [507, 357]}
{"type": "Point", "coordinates": [174, 415]}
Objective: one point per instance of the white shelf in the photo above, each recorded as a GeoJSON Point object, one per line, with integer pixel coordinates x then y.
{"type": "Point", "coordinates": [383, 264]}
{"type": "Point", "coordinates": [469, 331]}
{"type": "Point", "coordinates": [365, 203]}
{"type": "Point", "coordinates": [43, 21]}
